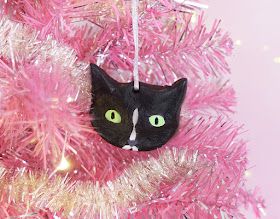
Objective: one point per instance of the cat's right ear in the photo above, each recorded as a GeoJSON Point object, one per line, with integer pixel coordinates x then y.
{"type": "Point", "coordinates": [101, 82]}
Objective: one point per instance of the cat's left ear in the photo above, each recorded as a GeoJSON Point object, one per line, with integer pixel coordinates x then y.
{"type": "Point", "coordinates": [101, 82]}
{"type": "Point", "coordinates": [178, 90]}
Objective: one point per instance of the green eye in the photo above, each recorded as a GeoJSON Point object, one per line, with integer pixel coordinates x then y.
{"type": "Point", "coordinates": [113, 116]}
{"type": "Point", "coordinates": [157, 120]}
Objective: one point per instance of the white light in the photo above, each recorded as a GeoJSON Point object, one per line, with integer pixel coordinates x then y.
{"type": "Point", "coordinates": [64, 164]}
{"type": "Point", "coordinates": [238, 42]}
{"type": "Point", "coordinates": [277, 60]}
{"type": "Point", "coordinates": [70, 99]}
{"type": "Point", "coordinates": [247, 174]}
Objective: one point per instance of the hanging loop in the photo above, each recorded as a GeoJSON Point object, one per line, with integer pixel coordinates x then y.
{"type": "Point", "coordinates": [135, 28]}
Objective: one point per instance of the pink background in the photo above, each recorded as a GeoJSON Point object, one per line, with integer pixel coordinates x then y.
{"type": "Point", "coordinates": [255, 27]}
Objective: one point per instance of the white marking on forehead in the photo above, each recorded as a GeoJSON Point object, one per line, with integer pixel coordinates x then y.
{"type": "Point", "coordinates": [135, 117]}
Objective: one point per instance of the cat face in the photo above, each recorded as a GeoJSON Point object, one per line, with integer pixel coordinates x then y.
{"type": "Point", "coordinates": [135, 120]}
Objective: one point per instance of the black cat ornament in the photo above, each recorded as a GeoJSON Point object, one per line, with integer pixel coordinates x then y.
{"type": "Point", "coordinates": [135, 120]}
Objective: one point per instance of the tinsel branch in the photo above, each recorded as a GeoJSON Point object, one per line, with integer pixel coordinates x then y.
{"type": "Point", "coordinates": [109, 33]}
{"type": "Point", "coordinates": [40, 122]}
{"type": "Point", "coordinates": [87, 200]}
{"type": "Point", "coordinates": [45, 48]}
{"type": "Point", "coordinates": [205, 96]}
{"type": "Point", "coordinates": [117, 198]}
{"type": "Point", "coordinates": [40, 52]}
{"type": "Point", "coordinates": [208, 92]}
{"type": "Point", "coordinates": [22, 43]}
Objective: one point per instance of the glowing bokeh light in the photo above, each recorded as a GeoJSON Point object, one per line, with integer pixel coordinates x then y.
{"type": "Point", "coordinates": [277, 60]}
{"type": "Point", "coordinates": [64, 164]}
{"type": "Point", "coordinates": [238, 42]}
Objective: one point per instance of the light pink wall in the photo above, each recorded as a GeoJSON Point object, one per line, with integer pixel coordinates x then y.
{"type": "Point", "coordinates": [256, 77]}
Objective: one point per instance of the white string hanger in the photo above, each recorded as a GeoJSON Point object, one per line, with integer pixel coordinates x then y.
{"type": "Point", "coordinates": [135, 28]}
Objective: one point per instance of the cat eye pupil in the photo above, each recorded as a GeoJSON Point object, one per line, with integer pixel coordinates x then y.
{"type": "Point", "coordinates": [112, 115]}
{"type": "Point", "coordinates": [156, 120]}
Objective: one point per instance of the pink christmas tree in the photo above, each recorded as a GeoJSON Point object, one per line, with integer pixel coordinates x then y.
{"type": "Point", "coordinates": [52, 162]}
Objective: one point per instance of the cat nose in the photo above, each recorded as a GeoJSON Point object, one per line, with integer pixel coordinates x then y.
{"type": "Point", "coordinates": [132, 142]}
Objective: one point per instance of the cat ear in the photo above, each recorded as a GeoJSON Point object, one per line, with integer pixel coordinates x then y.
{"type": "Point", "coordinates": [178, 90]}
{"type": "Point", "coordinates": [101, 82]}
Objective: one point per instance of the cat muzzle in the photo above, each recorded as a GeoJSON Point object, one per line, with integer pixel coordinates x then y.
{"type": "Point", "coordinates": [132, 142]}
{"type": "Point", "coordinates": [131, 145]}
